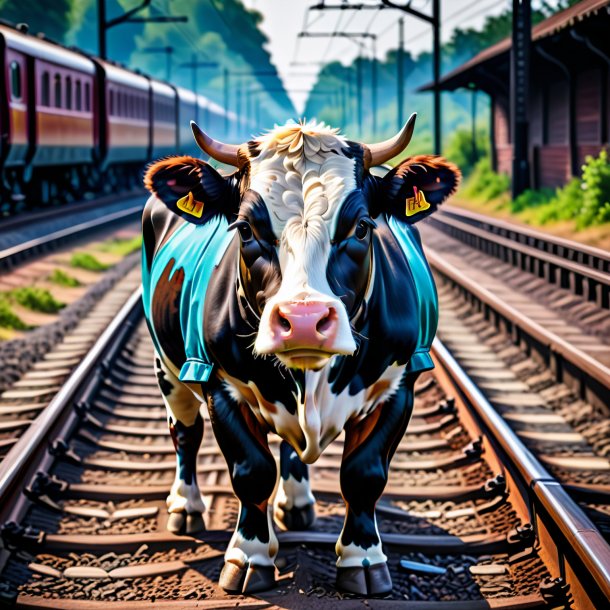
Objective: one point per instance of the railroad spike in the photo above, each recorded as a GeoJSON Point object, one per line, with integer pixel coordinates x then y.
{"type": "Point", "coordinates": [16, 537]}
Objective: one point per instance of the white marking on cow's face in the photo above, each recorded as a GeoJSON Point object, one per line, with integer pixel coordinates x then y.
{"type": "Point", "coordinates": [303, 176]}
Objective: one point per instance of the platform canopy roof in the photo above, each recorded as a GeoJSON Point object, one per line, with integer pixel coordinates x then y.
{"type": "Point", "coordinates": [481, 64]}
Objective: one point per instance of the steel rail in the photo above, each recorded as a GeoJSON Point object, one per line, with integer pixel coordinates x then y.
{"type": "Point", "coordinates": [546, 493]}
{"type": "Point", "coordinates": [593, 376]}
{"type": "Point", "coordinates": [595, 258]}
{"type": "Point", "coordinates": [554, 269]}
{"type": "Point", "coordinates": [16, 254]}
{"type": "Point", "coordinates": [23, 452]}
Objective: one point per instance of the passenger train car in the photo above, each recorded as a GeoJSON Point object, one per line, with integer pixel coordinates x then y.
{"type": "Point", "coordinates": [72, 124]}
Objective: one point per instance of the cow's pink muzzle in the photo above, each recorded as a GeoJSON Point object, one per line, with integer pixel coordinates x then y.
{"type": "Point", "coordinates": [303, 330]}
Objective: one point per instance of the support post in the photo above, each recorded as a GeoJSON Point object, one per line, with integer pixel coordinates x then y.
{"type": "Point", "coordinates": [436, 67]}
{"type": "Point", "coordinates": [101, 28]}
{"type": "Point", "coordinates": [374, 86]}
{"type": "Point", "coordinates": [519, 94]}
{"type": "Point", "coordinates": [473, 122]}
{"type": "Point", "coordinates": [226, 100]}
{"type": "Point", "coordinates": [359, 91]}
{"type": "Point", "coordinates": [400, 77]}
{"type": "Point", "coordinates": [168, 64]}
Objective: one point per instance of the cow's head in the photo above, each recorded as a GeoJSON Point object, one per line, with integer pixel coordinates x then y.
{"type": "Point", "coordinates": [305, 207]}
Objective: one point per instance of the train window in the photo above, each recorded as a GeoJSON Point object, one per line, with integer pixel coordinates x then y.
{"type": "Point", "coordinates": [57, 85]}
{"type": "Point", "coordinates": [77, 96]}
{"type": "Point", "coordinates": [68, 93]}
{"type": "Point", "coordinates": [111, 102]}
{"type": "Point", "coordinates": [87, 97]}
{"type": "Point", "coordinates": [45, 93]}
{"type": "Point", "coordinates": [15, 80]}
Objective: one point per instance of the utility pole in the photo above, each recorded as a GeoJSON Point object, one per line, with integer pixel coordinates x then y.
{"type": "Point", "coordinates": [343, 105]}
{"type": "Point", "coordinates": [473, 124]}
{"type": "Point", "coordinates": [128, 17]}
{"type": "Point", "coordinates": [356, 35]}
{"type": "Point", "coordinates": [519, 93]}
{"type": "Point", "coordinates": [168, 58]}
{"type": "Point", "coordinates": [194, 66]}
{"type": "Point", "coordinates": [434, 20]}
{"type": "Point", "coordinates": [359, 90]}
{"type": "Point", "coordinates": [400, 77]}
{"type": "Point", "coordinates": [374, 88]}
{"type": "Point", "coordinates": [226, 99]}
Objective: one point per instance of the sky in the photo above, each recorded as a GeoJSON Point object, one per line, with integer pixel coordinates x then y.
{"type": "Point", "coordinates": [297, 59]}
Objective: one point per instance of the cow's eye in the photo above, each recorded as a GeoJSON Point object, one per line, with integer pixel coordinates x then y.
{"type": "Point", "coordinates": [244, 228]}
{"type": "Point", "coordinates": [362, 230]}
{"type": "Point", "coordinates": [245, 231]}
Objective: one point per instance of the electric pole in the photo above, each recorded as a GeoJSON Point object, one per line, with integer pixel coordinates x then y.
{"type": "Point", "coordinates": [168, 58]}
{"type": "Point", "coordinates": [435, 21]}
{"type": "Point", "coordinates": [519, 93]}
{"type": "Point", "coordinates": [128, 17]}
{"type": "Point", "coordinates": [400, 76]}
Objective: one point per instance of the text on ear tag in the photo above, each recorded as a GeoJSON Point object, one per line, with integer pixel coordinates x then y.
{"type": "Point", "coordinates": [190, 205]}
{"type": "Point", "coordinates": [417, 203]}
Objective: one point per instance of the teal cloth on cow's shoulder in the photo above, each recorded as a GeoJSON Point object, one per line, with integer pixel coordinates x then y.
{"type": "Point", "coordinates": [197, 250]}
{"type": "Point", "coordinates": [427, 298]}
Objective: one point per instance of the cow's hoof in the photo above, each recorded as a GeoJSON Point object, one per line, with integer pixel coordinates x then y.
{"type": "Point", "coordinates": [247, 579]}
{"type": "Point", "coordinates": [295, 519]}
{"type": "Point", "coordinates": [175, 522]}
{"type": "Point", "coordinates": [188, 523]}
{"type": "Point", "coordinates": [194, 523]}
{"type": "Point", "coordinates": [368, 581]}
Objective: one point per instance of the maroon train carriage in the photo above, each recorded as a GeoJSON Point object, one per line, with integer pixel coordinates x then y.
{"type": "Point", "coordinates": [47, 118]}
{"type": "Point", "coordinates": [72, 124]}
{"type": "Point", "coordinates": [125, 129]}
{"type": "Point", "coordinates": [165, 115]}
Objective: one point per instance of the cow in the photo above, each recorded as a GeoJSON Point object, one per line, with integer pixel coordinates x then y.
{"type": "Point", "coordinates": [291, 296]}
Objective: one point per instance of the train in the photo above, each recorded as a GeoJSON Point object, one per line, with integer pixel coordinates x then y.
{"type": "Point", "coordinates": [72, 124]}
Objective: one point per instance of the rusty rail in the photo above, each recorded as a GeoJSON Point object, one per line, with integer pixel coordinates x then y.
{"type": "Point", "coordinates": [581, 545]}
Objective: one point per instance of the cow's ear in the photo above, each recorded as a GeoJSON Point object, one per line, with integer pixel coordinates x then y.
{"type": "Point", "coordinates": [191, 188]}
{"type": "Point", "coordinates": [415, 188]}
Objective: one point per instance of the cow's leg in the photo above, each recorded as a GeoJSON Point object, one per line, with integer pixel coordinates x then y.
{"type": "Point", "coordinates": [369, 446]}
{"type": "Point", "coordinates": [249, 559]}
{"type": "Point", "coordinates": [184, 503]}
{"type": "Point", "coordinates": [294, 502]}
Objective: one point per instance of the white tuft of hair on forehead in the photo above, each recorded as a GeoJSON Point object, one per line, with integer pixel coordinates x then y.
{"type": "Point", "coordinates": [303, 175]}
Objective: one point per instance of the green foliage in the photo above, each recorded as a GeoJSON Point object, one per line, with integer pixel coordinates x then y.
{"type": "Point", "coordinates": [61, 278]}
{"type": "Point", "coordinates": [84, 260]}
{"type": "Point", "coordinates": [585, 200]}
{"type": "Point", "coordinates": [36, 299]}
{"type": "Point", "coordinates": [531, 198]}
{"type": "Point", "coordinates": [122, 247]}
{"type": "Point", "coordinates": [484, 183]}
{"type": "Point", "coordinates": [459, 148]}
{"type": "Point", "coordinates": [9, 319]}
{"type": "Point", "coordinates": [54, 19]}
{"type": "Point", "coordinates": [595, 191]}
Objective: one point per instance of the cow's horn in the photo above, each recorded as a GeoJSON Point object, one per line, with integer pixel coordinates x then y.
{"type": "Point", "coordinates": [384, 151]}
{"type": "Point", "coordinates": [225, 153]}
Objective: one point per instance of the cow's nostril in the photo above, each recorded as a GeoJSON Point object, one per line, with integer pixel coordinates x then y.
{"type": "Point", "coordinates": [284, 322]}
{"type": "Point", "coordinates": [325, 323]}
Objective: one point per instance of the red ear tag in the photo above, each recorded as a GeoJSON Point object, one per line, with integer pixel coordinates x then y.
{"type": "Point", "coordinates": [417, 203]}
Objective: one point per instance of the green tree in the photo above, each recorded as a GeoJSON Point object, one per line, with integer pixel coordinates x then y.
{"type": "Point", "coordinates": [54, 19]}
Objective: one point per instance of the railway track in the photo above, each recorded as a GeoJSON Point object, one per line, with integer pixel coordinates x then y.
{"type": "Point", "coordinates": [35, 367]}
{"type": "Point", "coordinates": [470, 519]}
{"type": "Point", "coordinates": [27, 235]}
{"type": "Point", "coordinates": [513, 285]}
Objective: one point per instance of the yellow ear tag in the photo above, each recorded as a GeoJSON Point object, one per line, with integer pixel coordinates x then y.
{"type": "Point", "coordinates": [416, 204]}
{"type": "Point", "coordinates": [190, 205]}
